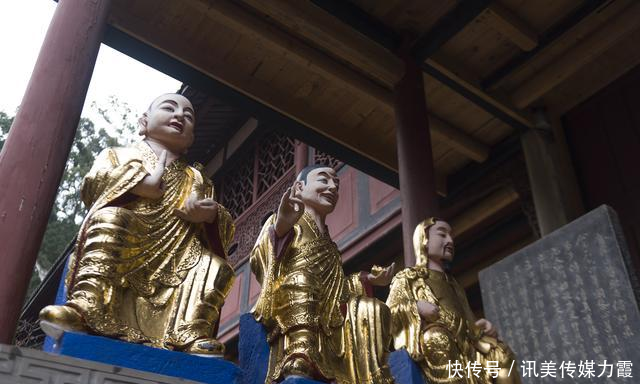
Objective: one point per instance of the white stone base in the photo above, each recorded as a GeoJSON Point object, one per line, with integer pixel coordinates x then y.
{"type": "Point", "coordinates": [30, 366]}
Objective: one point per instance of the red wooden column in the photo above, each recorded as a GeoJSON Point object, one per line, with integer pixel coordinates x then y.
{"type": "Point", "coordinates": [415, 159]}
{"type": "Point", "coordinates": [301, 156]}
{"type": "Point", "coordinates": [33, 157]}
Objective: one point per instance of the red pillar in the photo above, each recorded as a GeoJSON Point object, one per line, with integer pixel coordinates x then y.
{"type": "Point", "coordinates": [33, 157]}
{"type": "Point", "coordinates": [415, 159]}
{"type": "Point", "coordinates": [301, 155]}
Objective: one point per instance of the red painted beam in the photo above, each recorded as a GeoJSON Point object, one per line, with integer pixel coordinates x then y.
{"type": "Point", "coordinates": [33, 157]}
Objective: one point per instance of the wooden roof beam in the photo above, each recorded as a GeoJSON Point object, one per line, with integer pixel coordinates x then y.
{"type": "Point", "coordinates": [466, 85]}
{"type": "Point", "coordinates": [546, 39]}
{"type": "Point", "coordinates": [457, 139]}
{"type": "Point", "coordinates": [291, 107]}
{"type": "Point", "coordinates": [238, 19]}
{"type": "Point", "coordinates": [515, 29]}
{"type": "Point", "coordinates": [460, 82]}
{"type": "Point", "coordinates": [160, 47]}
{"type": "Point", "coordinates": [329, 34]}
{"type": "Point", "coordinates": [579, 55]}
{"type": "Point", "coordinates": [308, 25]}
{"type": "Point", "coordinates": [483, 210]}
{"type": "Point", "coordinates": [447, 27]}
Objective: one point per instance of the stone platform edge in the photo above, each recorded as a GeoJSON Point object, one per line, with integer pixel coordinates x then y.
{"type": "Point", "coordinates": [24, 365]}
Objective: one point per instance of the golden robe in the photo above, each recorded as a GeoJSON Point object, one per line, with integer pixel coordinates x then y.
{"type": "Point", "coordinates": [453, 337]}
{"type": "Point", "coordinates": [312, 310]}
{"type": "Point", "coordinates": [138, 271]}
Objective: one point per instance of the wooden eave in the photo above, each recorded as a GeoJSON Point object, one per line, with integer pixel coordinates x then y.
{"type": "Point", "coordinates": [329, 67]}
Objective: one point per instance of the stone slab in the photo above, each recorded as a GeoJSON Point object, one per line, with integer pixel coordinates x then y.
{"type": "Point", "coordinates": [29, 366]}
{"type": "Point", "coordinates": [568, 297]}
{"type": "Point", "coordinates": [143, 358]}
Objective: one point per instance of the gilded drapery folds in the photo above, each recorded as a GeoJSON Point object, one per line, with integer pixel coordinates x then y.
{"type": "Point", "coordinates": [139, 272]}
{"type": "Point", "coordinates": [453, 337]}
{"type": "Point", "coordinates": [315, 315]}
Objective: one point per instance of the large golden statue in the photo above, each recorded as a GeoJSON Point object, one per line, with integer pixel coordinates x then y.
{"type": "Point", "coordinates": [149, 263]}
{"type": "Point", "coordinates": [432, 319]}
{"type": "Point", "coordinates": [321, 323]}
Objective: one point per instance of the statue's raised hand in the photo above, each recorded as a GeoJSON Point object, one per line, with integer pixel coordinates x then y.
{"type": "Point", "coordinates": [289, 212]}
{"type": "Point", "coordinates": [198, 210]}
{"type": "Point", "coordinates": [151, 186]}
{"type": "Point", "coordinates": [380, 276]}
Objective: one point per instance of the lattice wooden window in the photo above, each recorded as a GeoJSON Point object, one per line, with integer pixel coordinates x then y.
{"type": "Point", "coordinates": [237, 194]}
{"type": "Point", "coordinates": [275, 157]}
{"type": "Point", "coordinates": [326, 159]}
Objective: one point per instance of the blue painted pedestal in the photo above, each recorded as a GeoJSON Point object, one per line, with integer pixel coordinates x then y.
{"type": "Point", "coordinates": [210, 370]}
{"type": "Point", "coordinates": [403, 369]}
{"type": "Point", "coordinates": [253, 352]}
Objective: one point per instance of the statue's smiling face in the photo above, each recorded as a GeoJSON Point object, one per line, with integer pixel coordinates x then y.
{"type": "Point", "coordinates": [440, 243]}
{"type": "Point", "coordinates": [170, 121]}
{"type": "Point", "coordinates": [320, 190]}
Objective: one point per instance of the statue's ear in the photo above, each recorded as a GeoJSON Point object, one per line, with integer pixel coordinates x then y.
{"type": "Point", "coordinates": [298, 185]}
{"type": "Point", "coordinates": [142, 124]}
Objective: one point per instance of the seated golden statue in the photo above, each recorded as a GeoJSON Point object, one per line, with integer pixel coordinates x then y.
{"type": "Point", "coordinates": [432, 319]}
{"type": "Point", "coordinates": [321, 323]}
{"type": "Point", "coordinates": [149, 263]}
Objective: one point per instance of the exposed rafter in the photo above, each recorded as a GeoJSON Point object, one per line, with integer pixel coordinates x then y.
{"type": "Point", "coordinates": [458, 140]}
{"type": "Point", "coordinates": [334, 36]}
{"type": "Point", "coordinates": [579, 55]}
{"type": "Point", "coordinates": [556, 31]}
{"type": "Point", "coordinates": [207, 82]}
{"type": "Point", "coordinates": [509, 24]}
{"type": "Point", "coordinates": [233, 16]}
{"type": "Point", "coordinates": [362, 22]}
{"type": "Point", "coordinates": [447, 27]}
{"type": "Point", "coordinates": [330, 35]}
{"type": "Point", "coordinates": [469, 88]}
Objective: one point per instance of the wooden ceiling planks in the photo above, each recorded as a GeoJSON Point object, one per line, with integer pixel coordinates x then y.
{"type": "Point", "coordinates": [450, 162]}
{"type": "Point", "coordinates": [540, 15]}
{"type": "Point", "coordinates": [493, 131]}
{"type": "Point", "coordinates": [618, 59]}
{"type": "Point", "coordinates": [237, 66]}
{"type": "Point", "coordinates": [557, 49]}
{"type": "Point", "coordinates": [410, 16]}
{"type": "Point", "coordinates": [311, 25]}
{"type": "Point", "coordinates": [453, 108]}
{"type": "Point", "coordinates": [480, 48]}
{"type": "Point", "coordinates": [300, 60]}
{"type": "Point", "coordinates": [578, 56]}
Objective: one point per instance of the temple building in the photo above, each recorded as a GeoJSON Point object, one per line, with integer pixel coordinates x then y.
{"type": "Point", "coordinates": [506, 118]}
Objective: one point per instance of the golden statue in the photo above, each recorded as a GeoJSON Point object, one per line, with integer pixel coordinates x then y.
{"type": "Point", "coordinates": [432, 319]}
{"type": "Point", "coordinates": [149, 263]}
{"type": "Point", "coordinates": [321, 323]}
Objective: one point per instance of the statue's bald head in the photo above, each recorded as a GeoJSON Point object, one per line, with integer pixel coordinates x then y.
{"type": "Point", "coordinates": [164, 96]}
{"type": "Point", "coordinates": [302, 175]}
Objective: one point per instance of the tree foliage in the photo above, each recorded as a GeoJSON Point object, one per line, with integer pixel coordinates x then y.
{"type": "Point", "coordinates": [68, 211]}
{"type": "Point", "coordinates": [5, 124]}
